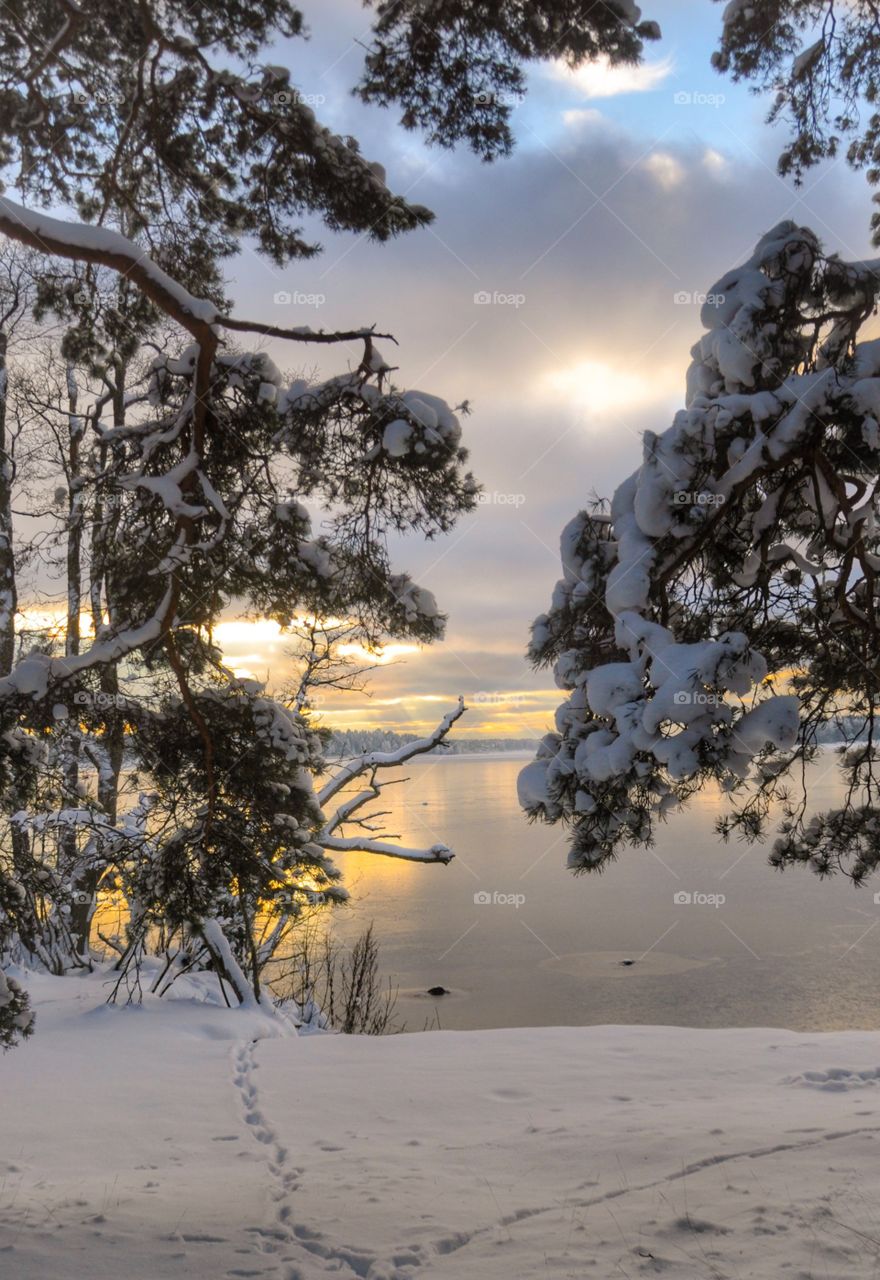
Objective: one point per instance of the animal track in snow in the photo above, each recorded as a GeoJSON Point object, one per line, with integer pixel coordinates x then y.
{"type": "Point", "coordinates": [282, 1235]}
{"type": "Point", "coordinates": [837, 1079]}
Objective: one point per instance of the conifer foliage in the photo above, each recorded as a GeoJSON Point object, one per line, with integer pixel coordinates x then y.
{"type": "Point", "coordinates": [726, 605]}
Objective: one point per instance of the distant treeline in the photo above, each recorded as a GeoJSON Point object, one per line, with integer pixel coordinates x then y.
{"type": "Point", "coordinates": [841, 729]}
{"type": "Point", "coordinates": [353, 742]}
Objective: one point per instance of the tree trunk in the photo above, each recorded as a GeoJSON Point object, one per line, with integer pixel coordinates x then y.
{"type": "Point", "coordinates": [8, 594]}
{"type": "Point", "coordinates": [108, 792]}
{"type": "Point", "coordinates": [81, 909]}
{"type": "Point", "coordinates": [113, 740]}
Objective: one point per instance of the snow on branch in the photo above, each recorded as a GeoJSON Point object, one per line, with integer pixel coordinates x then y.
{"type": "Point", "coordinates": [101, 246]}
{"type": "Point", "coordinates": [388, 759]}
{"type": "Point", "coordinates": [357, 844]}
{"type": "Point", "coordinates": [302, 333]}
{"type": "Point", "coordinates": [372, 763]}
{"type": "Point", "coordinates": [33, 675]}
{"type": "Point", "coordinates": [98, 245]}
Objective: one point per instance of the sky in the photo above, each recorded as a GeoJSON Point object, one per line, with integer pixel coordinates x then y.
{"type": "Point", "coordinates": [558, 292]}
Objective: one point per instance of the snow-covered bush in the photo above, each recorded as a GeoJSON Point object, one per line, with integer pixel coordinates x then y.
{"type": "Point", "coordinates": [16, 1017]}
{"type": "Point", "coordinates": [726, 604]}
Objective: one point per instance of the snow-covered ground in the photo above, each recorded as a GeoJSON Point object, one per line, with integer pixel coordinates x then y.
{"type": "Point", "coordinates": [185, 1140]}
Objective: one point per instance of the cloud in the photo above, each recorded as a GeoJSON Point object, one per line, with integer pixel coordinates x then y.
{"type": "Point", "coordinates": [594, 243]}
{"type": "Point", "coordinates": [716, 163]}
{"type": "Point", "coordinates": [583, 117]}
{"type": "Point", "coordinates": [609, 233]}
{"type": "Point", "coordinates": [592, 251]}
{"type": "Point", "coordinates": [666, 168]}
{"type": "Point", "coordinates": [602, 80]}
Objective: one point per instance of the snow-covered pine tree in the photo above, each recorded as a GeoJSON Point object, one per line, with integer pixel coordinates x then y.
{"type": "Point", "coordinates": [194, 529]}
{"type": "Point", "coordinates": [206, 478]}
{"type": "Point", "coordinates": [726, 605]}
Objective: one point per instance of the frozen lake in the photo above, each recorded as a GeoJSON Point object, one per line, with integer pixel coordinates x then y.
{"type": "Point", "coordinates": [783, 950]}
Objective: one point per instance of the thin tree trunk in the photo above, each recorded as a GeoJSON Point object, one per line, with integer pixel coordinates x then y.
{"type": "Point", "coordinates": [81, 908]}
{"type": "Point", "coordinates": [108, 791]}
{"type": "Point", "coordinates": [113, 740]}
{"type": "Point", "coordinates": [8, 593]}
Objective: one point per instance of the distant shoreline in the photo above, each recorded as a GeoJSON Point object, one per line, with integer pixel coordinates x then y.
{"type": "Point", "coordinates": [355, 742]}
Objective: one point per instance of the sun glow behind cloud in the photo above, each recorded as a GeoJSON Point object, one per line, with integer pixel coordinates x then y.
{"type": "Point", "coordinates": [260, 649]}
{"type": "Point", "coordinates": [379, 657]}
{"type": "Point", "coordinates": [598, 388]}
{"type": "Point", "coordinates": [257, 648]}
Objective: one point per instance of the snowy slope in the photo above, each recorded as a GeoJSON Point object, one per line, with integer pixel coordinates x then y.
{"type": "Point", "coordinates": [182, 1140]}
